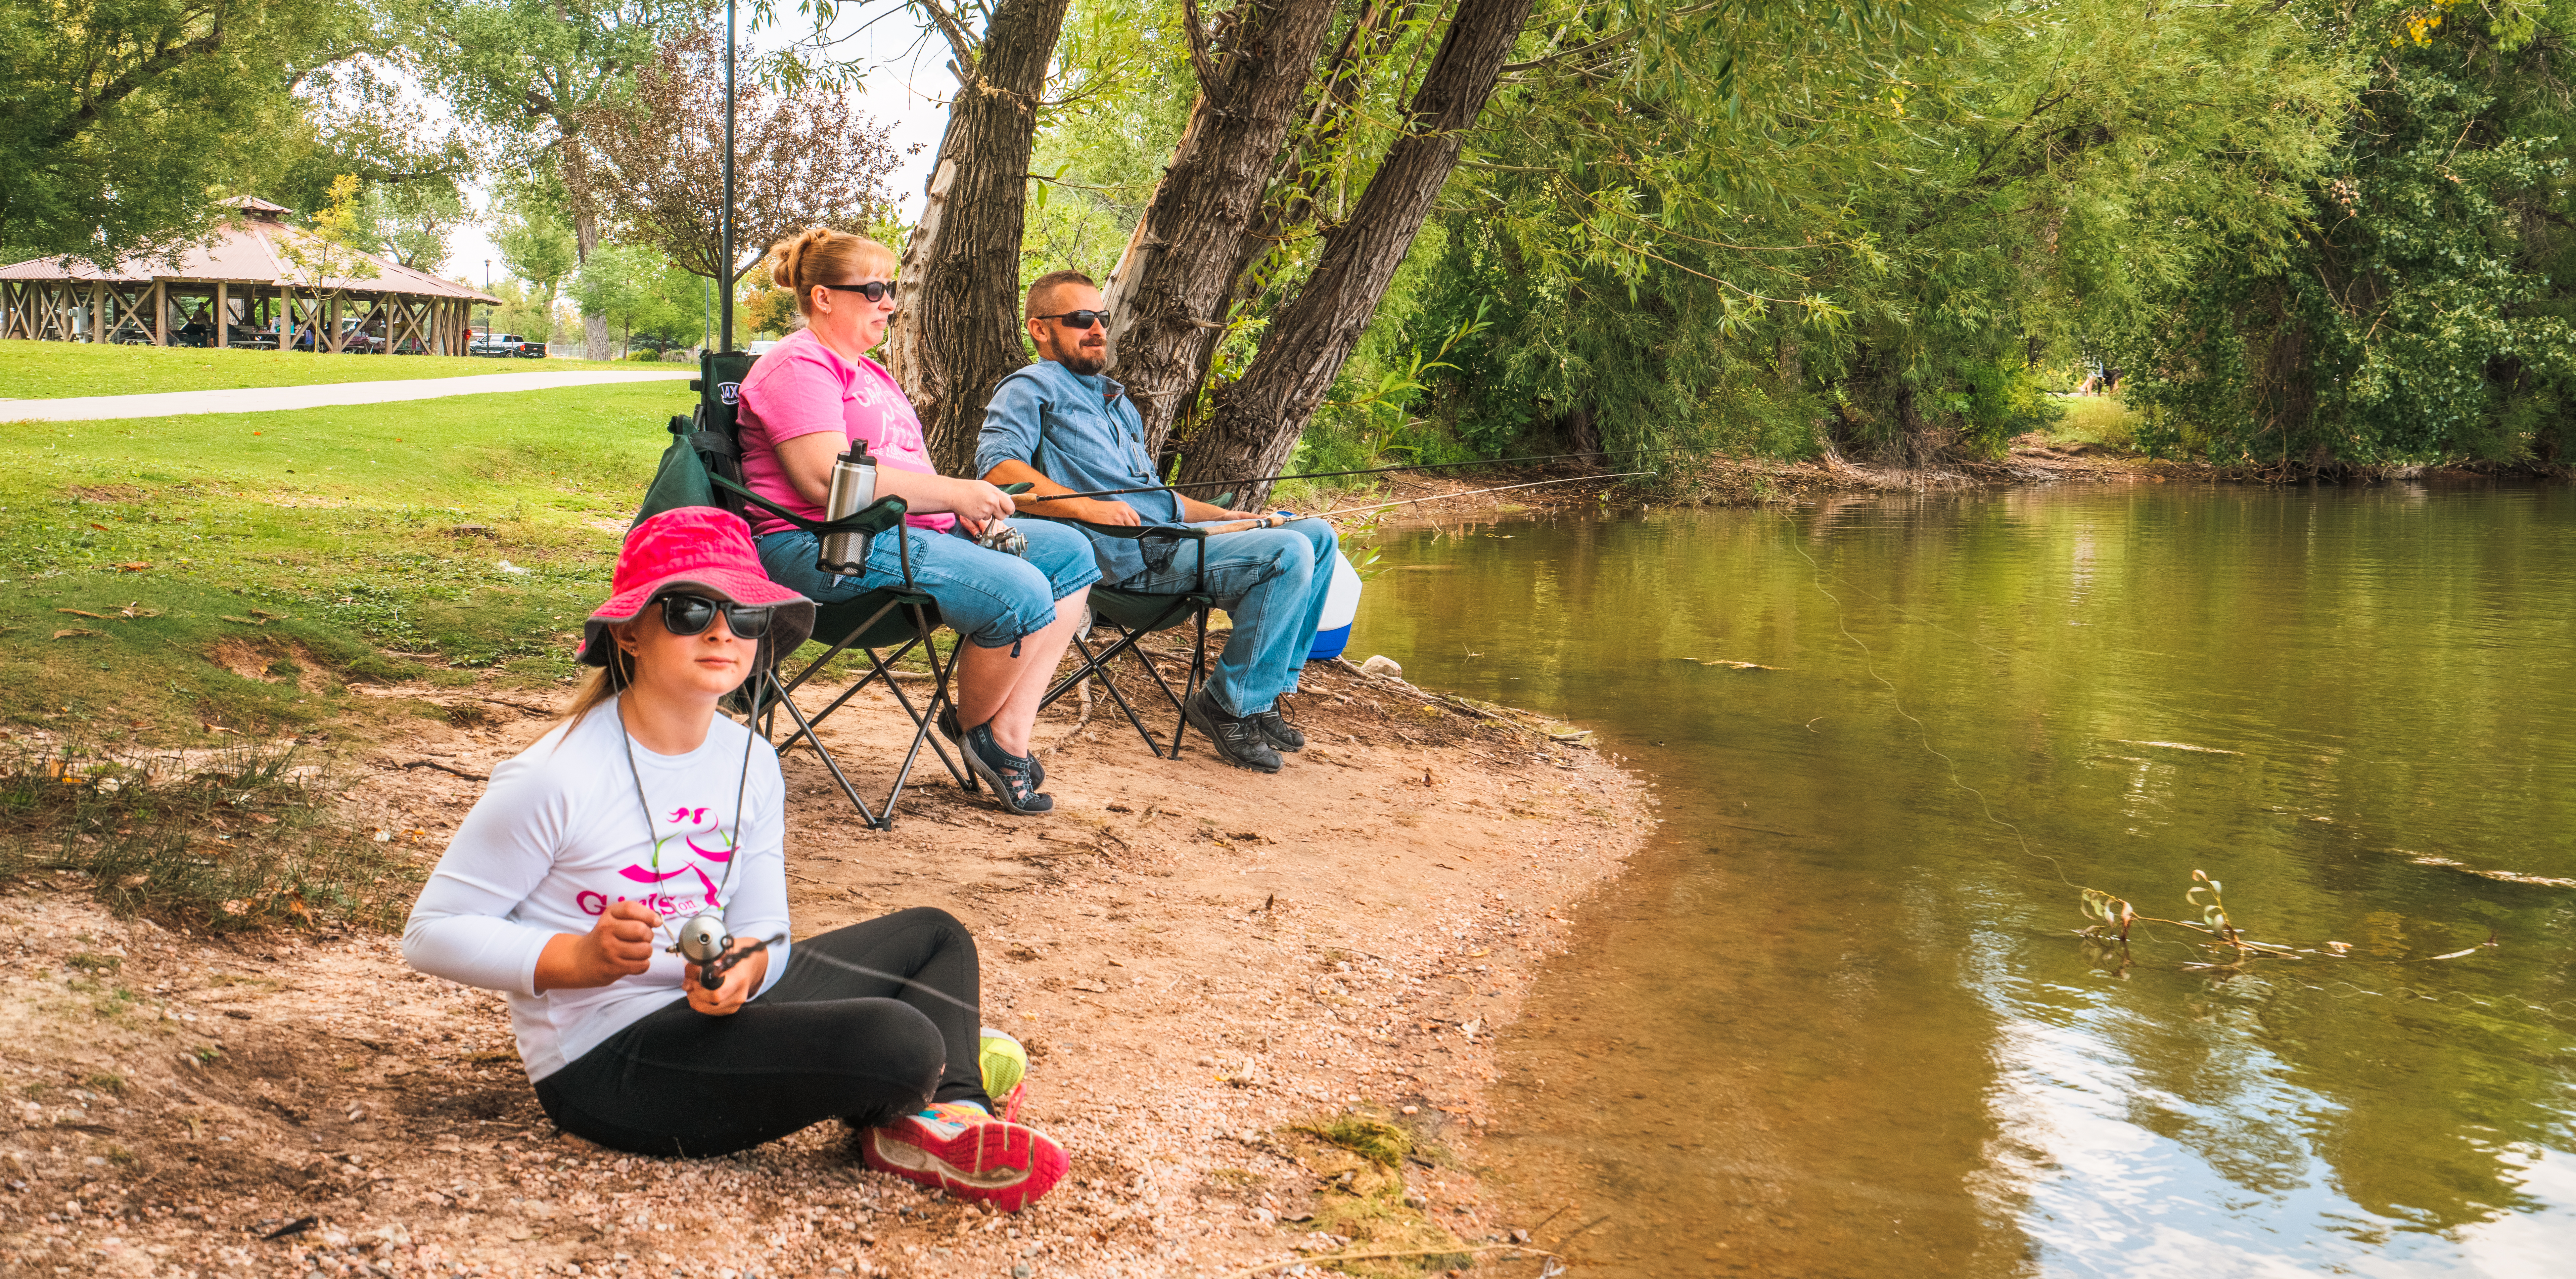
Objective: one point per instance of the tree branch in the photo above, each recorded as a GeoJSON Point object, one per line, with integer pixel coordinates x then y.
{"type": "Point", "coordinates": [136, 77]}
{"type": "Point", "coordinates": [1201, 65]}
{"type": "Point", "coordinates": [954, 31]}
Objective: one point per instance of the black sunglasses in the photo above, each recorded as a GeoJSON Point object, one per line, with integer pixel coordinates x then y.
{"type": "Point", "coordinates": [873, 290]}
{"type": "Point", "coordinates": [693, 614]}
{"type": "Point", "coordinates": [1077, 319]}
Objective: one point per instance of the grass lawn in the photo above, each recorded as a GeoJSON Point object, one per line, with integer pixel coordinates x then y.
{"type": "Point", "coordinates": [164, 574]}
{"type": "Point", "coordinates": [2098, 419]}
{"type": "Point", "coordinates": [56, 370]}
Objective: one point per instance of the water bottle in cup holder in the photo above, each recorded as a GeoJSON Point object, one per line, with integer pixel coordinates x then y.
{"type": "Point", "coordinates": [854, 489]}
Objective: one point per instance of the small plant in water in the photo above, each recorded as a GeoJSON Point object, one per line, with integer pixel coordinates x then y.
{"type": "Point", "coordinates": [2114, 917]}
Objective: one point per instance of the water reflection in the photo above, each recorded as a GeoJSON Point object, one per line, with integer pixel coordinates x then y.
{"type": "Point", "coordinates": [1836, 1024]}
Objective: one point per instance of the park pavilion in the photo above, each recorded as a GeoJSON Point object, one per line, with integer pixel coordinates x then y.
{"type": "Point", "coordinates": [257, 283]}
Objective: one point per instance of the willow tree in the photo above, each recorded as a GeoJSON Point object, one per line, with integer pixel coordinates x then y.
{"type": "Point", "coordinates": [958, 333]}
{"type": "Point", "coordinates": [1172, 287]}
{"type": "Point", "coordinates": [1256, 419]}
{"type": "Point", "coordinates": [1870, 235]}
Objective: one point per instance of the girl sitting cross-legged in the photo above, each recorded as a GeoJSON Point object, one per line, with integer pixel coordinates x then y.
{"type": "Point", "coordinates": [645, 817]}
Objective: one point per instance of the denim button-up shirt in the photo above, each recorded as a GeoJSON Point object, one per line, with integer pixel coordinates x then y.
{"type": "Point", "coordinates": [1084, 433]}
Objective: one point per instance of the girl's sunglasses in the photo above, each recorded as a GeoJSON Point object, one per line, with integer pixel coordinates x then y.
{"type": "Point", "coordinates": [693, 614]}
{"type": "Point", "coordinates": [1079, 319]}
{"type": "Point", "coordinates": [873, 290]}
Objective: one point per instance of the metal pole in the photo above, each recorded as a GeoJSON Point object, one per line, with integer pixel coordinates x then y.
{"type": "Point", "coordinates": [724, 279]}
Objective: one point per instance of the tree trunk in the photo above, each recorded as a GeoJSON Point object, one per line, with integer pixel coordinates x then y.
{"type": "Point", "coordinates": [1168, 296]}
{"type": "Point", "coordinates": [1258, 417]}
{"type": "Point", "coordinates": [585, 239]}
{"type": "Point", "coordinates": [1295, 186]}
{"type": "Point", "coordinates": [958, 332]}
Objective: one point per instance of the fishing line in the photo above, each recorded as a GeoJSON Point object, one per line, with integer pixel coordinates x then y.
{"type": "Point", "coordinates": [1896, 698]}
{"type": "Point", "coordinates": [1504, 488]}
{"type": "Point", "coordinates": [1374, 470]}
{"type": "Point", "coordinates": [925, 988]}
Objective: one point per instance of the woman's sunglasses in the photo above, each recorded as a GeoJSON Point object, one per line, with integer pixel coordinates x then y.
{"type": "Point", "coordinates": [873, 290]}
{"type": "Point", "coordinates": [1079, 319]}
{"type": "Point", "coordinates": [693, 614]}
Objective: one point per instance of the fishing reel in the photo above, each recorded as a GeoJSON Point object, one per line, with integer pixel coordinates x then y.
{"type": "Point", "coordinates": [705, 941]}
{"type": "Point", "coordinates": [998, 535]}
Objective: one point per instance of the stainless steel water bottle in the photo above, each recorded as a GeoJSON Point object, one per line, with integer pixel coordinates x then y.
{"type": "Point", "coordinates": [854, 489]}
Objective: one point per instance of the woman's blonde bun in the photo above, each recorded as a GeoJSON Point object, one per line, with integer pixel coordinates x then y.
{"type": "Point", "coordinates": [821, 255]}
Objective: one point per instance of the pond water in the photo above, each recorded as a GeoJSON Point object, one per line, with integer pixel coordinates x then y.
{"type": "Point", "coordinates": [1837, 1020]}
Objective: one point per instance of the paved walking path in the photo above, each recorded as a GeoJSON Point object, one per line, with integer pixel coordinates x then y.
{"type": "Point", "coordinates": [272, 399]}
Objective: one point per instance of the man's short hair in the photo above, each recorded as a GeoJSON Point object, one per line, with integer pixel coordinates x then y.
{"type": "Point", "coordinates": [1047, 284]}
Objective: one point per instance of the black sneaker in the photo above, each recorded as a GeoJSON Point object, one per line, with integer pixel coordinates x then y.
{"type": "Point", "coordinates": [948, 728]}
{"type": "Point", "coordinates": [1009, 775]}
{"type": "Point", "coordinates": [1235, 736]}
{"type": "Point", "coordinates": [1278, 730]}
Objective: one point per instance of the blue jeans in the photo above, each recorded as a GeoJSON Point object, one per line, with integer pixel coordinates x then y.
{"type": "Point", "coordinates": [1272, 582]}
{"type": "Point", "coordinates": [991, 598]}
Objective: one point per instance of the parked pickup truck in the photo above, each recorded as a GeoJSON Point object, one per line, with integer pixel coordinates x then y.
{"type": "Point", "coordinates": [507, 345]}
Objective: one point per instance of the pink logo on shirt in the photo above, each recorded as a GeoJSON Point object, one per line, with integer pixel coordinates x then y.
{"type": "Point", "coordinates": [662, 903]}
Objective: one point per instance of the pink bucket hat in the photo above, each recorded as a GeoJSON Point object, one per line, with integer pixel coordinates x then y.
{"type": "Point", "coordinates": [703, 548]}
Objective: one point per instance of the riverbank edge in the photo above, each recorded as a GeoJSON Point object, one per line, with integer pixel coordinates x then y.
{"type": "Point", "coordinates": [2033, 459]}
{"type": "Point", "coordinates": [1363, 961]}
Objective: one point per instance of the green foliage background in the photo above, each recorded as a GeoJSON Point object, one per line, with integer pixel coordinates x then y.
{"type": "Point", "coordinates": [2310, 236]}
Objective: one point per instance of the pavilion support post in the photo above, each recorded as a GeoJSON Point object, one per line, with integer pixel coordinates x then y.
{"type": "Point", "coordinates": [223, 315]}
{"type": "Point", "coordinates": [160, 305]}
{"type": "Point", "coordinates": [285, 320]}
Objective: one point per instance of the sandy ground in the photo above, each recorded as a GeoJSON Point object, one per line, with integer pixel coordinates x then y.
{"type": "Point", "coordinates": [1199, 958]}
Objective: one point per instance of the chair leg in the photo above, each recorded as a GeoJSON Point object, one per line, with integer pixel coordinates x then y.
{"type": "Point", "coordinates": [921, 722]}
{"type": "Point", "coordinates": [1126, 642]}
{"type": "Point", "coordinates": [1197, 679]}
{"type": "Point", "coordinates": [805, 729]}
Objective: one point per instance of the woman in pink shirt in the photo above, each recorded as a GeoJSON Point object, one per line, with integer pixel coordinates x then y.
{"type": "Point", "coordinates": [802, 406]}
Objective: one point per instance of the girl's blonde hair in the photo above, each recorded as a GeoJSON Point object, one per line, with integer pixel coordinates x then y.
{"type": "Point", "coordinates": [601, 683]}
{"type": "Point", "coordinates": [821, 255]}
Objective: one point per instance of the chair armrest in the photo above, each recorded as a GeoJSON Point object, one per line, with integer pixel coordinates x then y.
{"type": "Point", "coordinates": [1144, 533]}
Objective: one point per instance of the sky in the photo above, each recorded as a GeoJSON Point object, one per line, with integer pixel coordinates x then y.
{"type": "Point", "coordinates": [905, 85]}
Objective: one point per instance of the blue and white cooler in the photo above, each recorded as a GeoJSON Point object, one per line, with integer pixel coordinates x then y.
{"type": "Point", "coordinates": [1341, 604]}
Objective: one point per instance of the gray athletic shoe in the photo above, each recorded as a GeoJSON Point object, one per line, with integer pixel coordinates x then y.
{"type": "Point", "coordinates": [1235, 736]}
{"type": "Point", "coordinates": [1277, 730]}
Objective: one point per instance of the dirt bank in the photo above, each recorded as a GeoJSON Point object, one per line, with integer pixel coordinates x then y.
{"type": "Point", "coordinates": [1200, 959]}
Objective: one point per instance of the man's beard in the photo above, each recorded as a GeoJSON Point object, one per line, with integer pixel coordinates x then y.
{"type": "Point", "coordinates": [1085, 362]}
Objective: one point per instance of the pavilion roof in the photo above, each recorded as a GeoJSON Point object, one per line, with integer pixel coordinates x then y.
{"type": "Point", "coordinates": [247, 250]}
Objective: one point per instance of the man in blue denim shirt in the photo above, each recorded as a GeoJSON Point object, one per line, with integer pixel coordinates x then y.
{"type": "Point", "coordinates": [1062, 427]}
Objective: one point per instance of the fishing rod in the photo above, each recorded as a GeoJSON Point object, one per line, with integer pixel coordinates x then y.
{"type": "Point", "coordinates": [1436, 497]}
{"type": "Point", "coordinates": [1373, 470]}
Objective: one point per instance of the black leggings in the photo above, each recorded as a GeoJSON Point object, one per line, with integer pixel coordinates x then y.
{"type": "Point", "coordinates": [823, 1042]}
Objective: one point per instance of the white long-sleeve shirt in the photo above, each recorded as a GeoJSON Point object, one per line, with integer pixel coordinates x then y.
{"type": "Point", "coordinates": [559, 835]}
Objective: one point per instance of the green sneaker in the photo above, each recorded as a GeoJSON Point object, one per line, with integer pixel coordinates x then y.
{"type": "Point", "coordinates": [1006, 1071]}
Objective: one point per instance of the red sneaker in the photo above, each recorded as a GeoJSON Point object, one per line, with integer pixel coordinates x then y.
{"type": "Point", "coordinates": [968, 1153]}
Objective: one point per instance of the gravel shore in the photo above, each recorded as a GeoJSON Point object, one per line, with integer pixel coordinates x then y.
{"type": "Point", "coordinates": [1217, 973]}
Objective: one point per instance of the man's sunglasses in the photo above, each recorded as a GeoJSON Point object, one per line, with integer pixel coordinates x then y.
{"type": "Point", "coordinates": [1078, 319]}
{"type": "Point", "coordinates": [693, 614]}
{"type": "Point", "coordinates": [873, 290]}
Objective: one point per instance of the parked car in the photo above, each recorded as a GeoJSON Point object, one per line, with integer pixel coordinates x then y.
{"type": "Point", "coordinates": [507, 346]}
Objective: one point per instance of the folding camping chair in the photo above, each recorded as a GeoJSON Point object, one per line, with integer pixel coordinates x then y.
{"type": "Point", "coordinates": [1134, 616]}
{"type": "Point", "coordinates": [703, 467]}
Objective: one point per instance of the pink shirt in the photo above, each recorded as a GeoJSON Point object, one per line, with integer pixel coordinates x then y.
{"type": "Point", "coordinates": [802, 387]}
